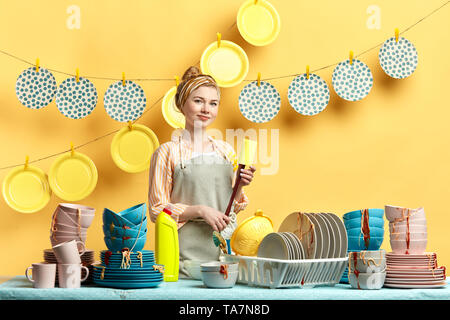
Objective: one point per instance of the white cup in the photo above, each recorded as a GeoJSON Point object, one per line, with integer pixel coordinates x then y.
{"type": "Point", "coordinates": [43, 275]}
{"type": "Point", "coordinates": [69, 275]}
{"type": "Point", "coordinates": [67, 252]}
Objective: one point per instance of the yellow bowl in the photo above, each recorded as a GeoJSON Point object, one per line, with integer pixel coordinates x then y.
{"type": "Point", "coordinates": [249, 234]}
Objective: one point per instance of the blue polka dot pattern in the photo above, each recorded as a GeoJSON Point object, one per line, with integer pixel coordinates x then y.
{"type": "Point", "coordinates": [308, 96]}
{"type": "Point", "coordinates": [35, 90]}
{"type": "Point", "coordinates": [352, 82]}
{"type": "Point", "coordinates": [259, 104]}
{"type": "Point", "coordinates": [124, 103]}
{"type": "Point", "coordinates": [398, 59]}
{"type": "Point", "coordinates": [76, 100]}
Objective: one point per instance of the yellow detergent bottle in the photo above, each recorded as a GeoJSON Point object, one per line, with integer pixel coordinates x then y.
{"type": "Point", "coordinates": [166, 245]}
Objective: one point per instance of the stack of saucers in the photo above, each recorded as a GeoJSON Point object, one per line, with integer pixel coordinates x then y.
{"type": "Point", "coordinates": [128, 270]}
{"type": "Point", "coordinates": [87, 260]}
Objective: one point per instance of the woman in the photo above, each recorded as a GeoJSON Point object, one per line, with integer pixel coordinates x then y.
{"type": "Point", "coordinates": [195, 173]}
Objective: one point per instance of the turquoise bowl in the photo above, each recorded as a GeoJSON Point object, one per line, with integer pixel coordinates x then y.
{"type": "Point", "coordinates": [110, 216]}
{"type": "Point", "coordinates": [376, 213]}
{"type": "Point", "coordinates": [132, 244]}
{"type": "Point", "coordinates": [121, 232]}
{"type": "Point", "coordinates": [356, 223]}
{"type": "Point", "coordinates": [357, 243]}
{"type": "Point", "coordinates": [374, 232]}
{"type": "Point", "coordinates": [136, 214]}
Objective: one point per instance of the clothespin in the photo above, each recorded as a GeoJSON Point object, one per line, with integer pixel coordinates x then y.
{"type": "Point", "coordinates": [123, 79]}
{"type": "Point", "coordinates": [259, 79]}
{"type": "Point", "coordinates": [71, 149]}
{"type": "Point", "coordinates": [351, 57]}
{"type": "Point", "coordinates": [396, 35]}
{"type": "Point", "coordinates": [27, 158]}
{"type": "Point", "coordinates": [219, 36]}
{"type": "Point", "coordinates": [177, 80]}
{"type": "Point", "coordinates": [130, 125]}
{"type": "Point", "coordinates": [37, 65]}
{"type": "Point", "coordinates": [77, 76]}
{"type": "Point", "coordinates": [307, 72]}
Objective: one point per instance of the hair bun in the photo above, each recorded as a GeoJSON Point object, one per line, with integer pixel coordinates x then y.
{"type": "Point", "coordinates": [190, 73]}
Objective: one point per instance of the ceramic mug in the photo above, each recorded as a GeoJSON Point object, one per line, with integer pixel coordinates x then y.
{"type": "Point", "coordinates": [67, 252]}
{"type": "Point", "coordinates": [69, 275]}
{"type": "Point", "coordinates": [43, 275]}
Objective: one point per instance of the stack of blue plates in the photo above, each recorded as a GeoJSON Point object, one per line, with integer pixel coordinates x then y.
{"type": "Point", "coordinates": [139, 271]}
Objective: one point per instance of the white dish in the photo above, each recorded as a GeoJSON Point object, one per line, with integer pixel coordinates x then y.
{"type": "Point", "coordinates": [343, 244]}
{"type": "Point", "coordinates": [273, 246]}
{"type": "Point", "coordinates": [319, 238]}
{"type": "Point", "coordinates": [299, 224]}
{"type": "Point", "coordinates": [325, 235]}
{"type": "Point", "coordinates": [334, 250]}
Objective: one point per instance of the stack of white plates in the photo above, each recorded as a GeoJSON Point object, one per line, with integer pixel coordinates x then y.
{"type": "Point", "coordinates": [281, 245]}
{"type": "Point", "coordinates": [414, 271]}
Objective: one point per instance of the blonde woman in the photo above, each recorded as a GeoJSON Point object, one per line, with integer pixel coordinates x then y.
{"type": "Point", "coordinates": [194, 175]}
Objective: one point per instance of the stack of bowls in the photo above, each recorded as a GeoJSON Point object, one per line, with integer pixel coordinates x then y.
{"type": "Point", "coordinates": [367, 269]}
{"type": "Point", "coordinates": [408, 230]}
{"type": "Point", "coordinates": [218, 274]}
{"type": "Point", "coordinates": [70, 222]}
{"type": "Point", "coordinates": [125, 230]}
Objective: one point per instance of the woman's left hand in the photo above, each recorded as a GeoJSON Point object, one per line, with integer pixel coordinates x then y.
{"type": "Point", "coordinates": [247, 175]}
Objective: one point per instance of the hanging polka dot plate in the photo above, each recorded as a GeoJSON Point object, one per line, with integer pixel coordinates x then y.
{"type": "Point", "coordinates": [132, 150]}
{"type": "Point", "coordinates": [398, 59]}
{"type": "Point", "coordinates": [26, 190]}
{"type": "Point", "coordinates": [259, 104]}
{"type": "Point", "coordinates": [258, 22]}
{"type": "Point", "coordinates": [308, 96]}
{"type": "Point", "coordinates": [36, 90]}
{"type": "Point", "coordinates": [170, 112]}
{"type": "Point", "coordinates": [73, 177]}
{"type": "Point", "coordinates": [124, 103]}
{"type": "Point", "coordinates": [76, 100]}
{"type": "Point", "coordinates": [352, 82]}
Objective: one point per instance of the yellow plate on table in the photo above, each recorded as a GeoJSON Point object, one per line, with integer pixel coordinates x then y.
{"type": "Point", "coordinates": [26, 190]}
{"type": "Point", "coordinates": [227, 64]}
{"type": "Point", "coordinates": [132, 150]}
{"type": "Point", "coordinates": [73, 177]}
{"type": "Point", "coordinates": [258, 23]}
{"type": "Point", "coordinates": [170, 111]}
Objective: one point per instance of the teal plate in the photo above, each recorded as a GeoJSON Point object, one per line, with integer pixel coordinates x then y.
{"type": "Point", "coordinates": [126, 285]}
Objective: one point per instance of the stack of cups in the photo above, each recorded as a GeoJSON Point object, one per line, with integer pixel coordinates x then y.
{"type": "Point", "coordinates": [69, 264]}
{"type": "Point", "coordinates": [367, 269]}
{"type": "Point", "coordinates": [408, 230]}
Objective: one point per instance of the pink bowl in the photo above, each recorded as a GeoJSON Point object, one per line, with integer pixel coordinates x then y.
{"type": "Point", "coordinates": [54, 240]}
{"type": "Point", "coordinates": [67, 228]}
{"type": "Point", "coordinates": [68, 234]}
{"type": "Point", "coordinates": [68, 214]}
{"type": "Point", "coordinates": [401, 227]}
{"type": "Point", "coordinates": [399, 214]}
{"type": "Point", "coordinates": [412, 236]}
{"type": "Point", "coordinates": [415, 246]}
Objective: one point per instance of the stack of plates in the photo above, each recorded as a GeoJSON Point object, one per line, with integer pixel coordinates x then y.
{"type": "Point", "coordinates": [135, 270]}
{"type": "Point", "coordinates": [414, 271]}
{"type": "Point", "coordinates": [87, 260]}
{"type": "Point", "coordinates": [321, 235]}
{"type": "Point", "coordinates": [281, 245]}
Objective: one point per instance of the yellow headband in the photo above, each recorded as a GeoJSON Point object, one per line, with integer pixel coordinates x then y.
{"type": "Point", "coordinates": [193, 84]}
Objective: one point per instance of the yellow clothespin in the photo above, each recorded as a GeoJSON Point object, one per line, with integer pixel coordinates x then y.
{"type": "Point", "coordinates": [351, 57]}
{"type": "Point", "coordinates": [123, 79]}
{"type": "Point", "coordinates": [396, 34]}
{"type": "Point", "coordinates": [130, 125]}
{"type": "Point", "coordinates": [259, 79]}
{"type": "Point", "coordinates": [307, 72]}
{"type": "Point", "coordinates": [37, 65]}
{"type": "Point", "coordinates": [27, 158]}
{"type": "Point", "coordinates": [77, 76]}
{"type": "Point", "coordinates": [219, 36]}
{"type": "Point", "coordinates": [177, 80]}
{"type": "Point", "coordinates": [71, 149]}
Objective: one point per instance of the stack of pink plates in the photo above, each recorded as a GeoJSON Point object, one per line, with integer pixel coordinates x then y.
{"type": "Point", "coordinates": [87, 260]}
{"type": "Point", "coordinates": [414, 271]}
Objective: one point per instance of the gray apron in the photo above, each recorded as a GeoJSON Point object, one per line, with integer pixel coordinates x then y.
{"type": "Point", "coordinates": [203, 180]}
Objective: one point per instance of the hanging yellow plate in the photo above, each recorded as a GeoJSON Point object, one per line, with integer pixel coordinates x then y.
{"type": "Point", "coordinates": [26, 190]}
{"type": "Point", "coordinates": [258, 22]}
{"type": "Point", "coordinates": [132, 149]}
{"type": "Point", "coordinates": [170, 111]}
{"type": "Point", "coordinates": [227, 64]}
{"type": "Point", "coordinates": [73, 177]}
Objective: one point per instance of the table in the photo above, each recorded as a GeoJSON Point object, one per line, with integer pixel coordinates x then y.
{"type": "Point", "coordinates": [19, 288]}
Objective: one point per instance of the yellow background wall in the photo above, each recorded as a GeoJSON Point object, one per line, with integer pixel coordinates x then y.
{"type": "Point", "coordinates": [393, 147]}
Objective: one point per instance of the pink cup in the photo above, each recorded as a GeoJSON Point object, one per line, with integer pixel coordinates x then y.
{"type": "Point", "coordinates": [43, 275]}
{"type": "Point", "coordinates": [415, 246]}
{"type": "Point", "coordinates": [67, 252]}
{"type": "Point", "coordinates": [69, 275]}
{"type": "Point", "coordinates": [399, 214]}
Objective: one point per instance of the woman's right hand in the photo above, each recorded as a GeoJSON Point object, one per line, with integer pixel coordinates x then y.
{"type": "Point", "coordinates": [216, 219]}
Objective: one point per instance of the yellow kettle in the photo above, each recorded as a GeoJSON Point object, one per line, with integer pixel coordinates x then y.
{"type": "Point", "coordinates": [248, 235]}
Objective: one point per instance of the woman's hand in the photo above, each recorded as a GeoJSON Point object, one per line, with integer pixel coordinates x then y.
{"type": "Point", "coordinates": [247, 176]}
{"type": "Point", "coordinates": [216, 219]}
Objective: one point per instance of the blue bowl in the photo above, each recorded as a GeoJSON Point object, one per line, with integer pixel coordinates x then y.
{"type": "Point", "coordinates": [378, 213]}
{"type": "Point", "coordinates": [356, 223]}
{"type": "Point", "coordinates": [110, 217]}
{"type": "Point", "coordinates": [136, 214]}
{"type": "Point", "coordinates": [118, 244]}
{"type": "Point", "coordinates": [121, 232]}
{"type": "Point", "coordinates": [374, 232]}
{"type": "Point", "coordinates": [357, 243]}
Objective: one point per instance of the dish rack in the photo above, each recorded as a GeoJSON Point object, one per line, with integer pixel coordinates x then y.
{"type": "Point", "coordinates": [274, 273]}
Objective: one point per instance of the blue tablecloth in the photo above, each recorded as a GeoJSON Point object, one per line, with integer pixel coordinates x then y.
{"type": "Point", "coordinates": [19, 288]}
